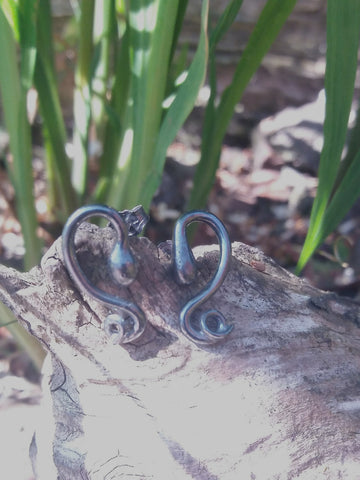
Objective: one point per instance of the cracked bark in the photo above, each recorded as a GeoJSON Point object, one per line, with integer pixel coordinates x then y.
{"type": "Point", "coordinates": [278, 399]}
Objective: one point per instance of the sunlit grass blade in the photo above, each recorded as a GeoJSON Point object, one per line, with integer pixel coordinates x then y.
{"type": "Point", "coordinates": [104, 29]}
{"type": "Point", "coordinates": [270, 22]}
{"type": "Point", "coordinates": [345, 196]}
{"type": "Point", "coordinates": [224, 23]}
{"type": "Point", "coordinates": [54, 134]}
{"type": "Point", "coordinates": [227, 18]}
{"type": "Point", "coordinates": [61, 193]}
{"type": "Point", "coordinates": [22, 337]}
{"type": "Point", "coordinates": [13, 97]}
{"type": "Point", "coordinates": [352, 150]}
{"type": "Point", "coordinates": [182, 6]}
{"type": "Point", "coordinates": [151, 27]}
{"type": "Point", "coordinates": [27, 23]}
{"type": "Point", "coordinates": [21, 17]}
{"type": "Point", "coordinates": [116, 108]}
{"type": "Point", "coordinates": [179, 52]}
{"type": "Point", "coordinates": [179, 109]}
{"type": "Point", "coordinates": [343, 30]}
{"type": "Point", "coordinates": [116, 119]}
{"type": "Point", "coordinates": [10, 9]}
{"type": "Point", "coordinates": [82, 98]}
{"type": "Point", "coordinates": [354, 143]}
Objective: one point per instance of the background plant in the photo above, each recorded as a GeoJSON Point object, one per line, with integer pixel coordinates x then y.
{"type": "Point", "coordinates": [339, 181]}
{"type": "Point", "coordinates": [135, 88]}
{"type": "Point", "coordinates": [125, 86]}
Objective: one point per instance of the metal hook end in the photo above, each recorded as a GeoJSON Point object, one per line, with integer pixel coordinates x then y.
{"type": "Point", "coordinates": [124, 328]}
{"type": "Point", "coordinates": [212, 326]}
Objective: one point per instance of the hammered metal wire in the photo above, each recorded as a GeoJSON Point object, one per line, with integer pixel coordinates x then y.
{"type": "Point", "coordinates": [127, 321]}
{"type": "Point", "coordinates": [212, 326]}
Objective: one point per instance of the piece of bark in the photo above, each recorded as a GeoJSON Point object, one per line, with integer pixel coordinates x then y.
{"type": "Point", "coordinates": [279, 398]}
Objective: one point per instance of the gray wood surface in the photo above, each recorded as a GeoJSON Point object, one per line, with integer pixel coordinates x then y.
{"type": "Point", "coordinates": [278, 399]}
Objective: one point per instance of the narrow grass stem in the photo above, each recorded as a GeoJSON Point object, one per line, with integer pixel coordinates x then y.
{"type": "Point", "coordinates": [20, 164]}
{"type": "Point", "coordinates": [267, 28]}
{"type": "Point", "coordinates": [150, 38]}
{"type": "Point", "coordinates": [103, 36]}
{"type": "Point", "coordinates": [22, 337]}
{"type": "Point", "coordinates": [343, 27]}
{"type": "Point", "coordinates": [116, 117]}
{"type": "Point", "coordinates": [61, 193]}
{"type": "Point", "coordinates": [82, 94]}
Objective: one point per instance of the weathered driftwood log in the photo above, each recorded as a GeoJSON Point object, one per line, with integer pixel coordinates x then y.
{"type": "Point", "coordinates": [278, 399]}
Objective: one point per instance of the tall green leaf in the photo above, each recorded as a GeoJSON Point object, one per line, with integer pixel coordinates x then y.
{"type": "Point", "coordinates": [21, 16]}
{"type": "Point", "coordinates": [62, 196]}
{"type": "Point", "coordinates": [13, 91]}
{"type": "Point", "coordinates": [104, 23]}
{"type": "Point", "coordinates": [352, 149]}
{"type": "Point", "coordinates": [346, 194]}
{"type": "Point", "coordinates": [116, 112]}
{"type": "Point", "coordinates": [22, 337]}
{"type": "Point", "coordinates": [151, 25]}
{"type": "Point", "coordinates": [179, 109]}
{"type": "Point", "coordinates": [27, 11]}
{"type": "Point", "coordinates": [224, 23]}
{"type": "Point", "coordinates": [270, 22]}
{"type": "Point", "coordinates": [178, 26]}
{"type": "Point", "coordinates": [82, 98]}
{"type": "Point", "coordinates": [10, 9]}
{"type": "Point", "coordinates": [343, 29]}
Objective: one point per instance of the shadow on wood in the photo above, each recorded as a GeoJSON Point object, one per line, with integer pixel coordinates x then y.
{"type": "Point", "coordinates": [278, 399]}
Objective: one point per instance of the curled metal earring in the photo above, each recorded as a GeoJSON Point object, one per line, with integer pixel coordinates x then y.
{"type": "Point", "coordinates": [128, 321]}
{"type": "Point", "coordinates": [212, 326]}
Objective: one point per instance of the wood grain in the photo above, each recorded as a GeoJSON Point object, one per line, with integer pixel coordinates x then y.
{"type": "Point", "coordinates": [278, 399]}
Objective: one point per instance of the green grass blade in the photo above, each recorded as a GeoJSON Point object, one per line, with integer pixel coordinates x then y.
{"type": "Point", "coordinates": [116, 111]}
{"type": "Point", "coordinates": [54, 131]}
{"type": "Point", "coordinates": [57, 163]}
{"type": "Point", "coordinates": [180, 108]}
{"type": "Point", "coordinates": [150, 38]}
{"type": "Point", "coordinates": [27, 25]}
{"type": "Point", "coordinates": [353, 148]}
{"type": "Point", "coordinates": [104, 23]}
{"type": "Point", "coordinates": [117, 108]}
{"type": "Point", "coordinates": [22, 337]}
{"type": "Point", "coordinates": [270, 22]}
{"type": "Point", "coordinates": [21, 16]}
{"type": "Point", "coordinates": [345, 196]}
{"type": "Point", "coordinates": [267, 28]}
{"type": "Point", "coordinates": [178, 61]}
{"type": "Point", "coordinates": [15, 115]}
{"type": "Point", "coordinates": [9, 83]}
{"type": "Point", "coordinates": [10, 10]}
{"type": "Point", "coordinates": [224, 23]}
{"type": "Point", "coordinates": [82, 98]}
{"type": "Point", "coordinates": [226, 19]}
{"type": "Point", "coordinates": [343, 28]}
{"type": "Point", "coordinates": [354, 143]}
{"type": "Point", "coordinates": [178, 26]}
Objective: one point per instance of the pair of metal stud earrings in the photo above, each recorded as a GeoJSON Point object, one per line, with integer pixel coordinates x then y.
{"type": "Point", "coordinates": [127, 321]}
